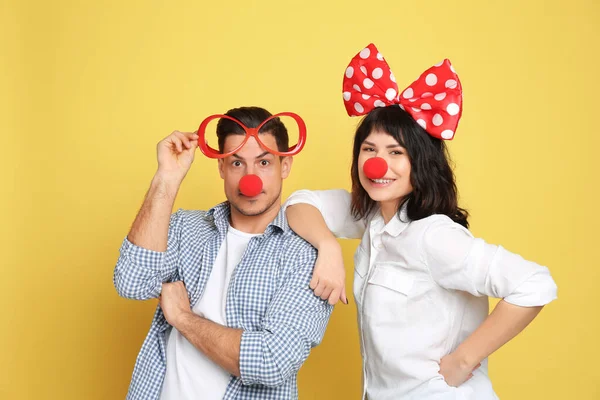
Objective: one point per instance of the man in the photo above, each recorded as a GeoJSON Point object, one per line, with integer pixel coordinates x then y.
{"type": "Point", "coordinates": [237, 317]}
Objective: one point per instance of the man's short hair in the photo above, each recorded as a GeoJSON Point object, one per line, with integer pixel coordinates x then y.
{"type": "Point", "coordinates": [252, 117]}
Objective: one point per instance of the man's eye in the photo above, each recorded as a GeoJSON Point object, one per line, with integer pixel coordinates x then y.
{"type": "Point", "coordinates": [264, 163]}
{"type": "Point", "coordinates": [236, 163]}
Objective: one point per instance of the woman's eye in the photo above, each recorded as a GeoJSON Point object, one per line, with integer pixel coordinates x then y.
{"type": "Point", "coordinates": [396, 153]}
{"type": "Point", "coordinates": [368, 149]}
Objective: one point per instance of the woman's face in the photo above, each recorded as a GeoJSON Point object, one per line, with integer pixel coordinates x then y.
{"type": "Point", "coordinates": [395, 184]}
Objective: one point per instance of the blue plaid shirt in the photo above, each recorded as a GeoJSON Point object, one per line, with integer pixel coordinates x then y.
{"type": "Point", "coordinates": [269, 298]}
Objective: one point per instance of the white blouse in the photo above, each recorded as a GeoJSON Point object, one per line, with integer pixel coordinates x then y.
{"type": "Point", "coordinates": [421, 288]}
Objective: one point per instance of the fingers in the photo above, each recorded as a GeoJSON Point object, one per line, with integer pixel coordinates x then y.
{"type": "Point", "coordinates": [326, 293]}
{"type": "Point", "coordinates": [334, 297]}
{"type": "Point", "coordinates": [319, 289]}
{"type": "Point", "coordinates": [180, 141]}
{"type": "Point", "coordinates": [183, 140]}
{"type": "Point", "coordinates": [324, 289]}
{"type": "Point", "coordinates": [343, 296]}
{"type": "Point", "coordinates": [192, 137]}
{"type": "Point", "coordinates": [314, 282]}
{"type": "Point", "coordinates": [186, 138]}
{"type": "Point", "coordinates": [176, 142]}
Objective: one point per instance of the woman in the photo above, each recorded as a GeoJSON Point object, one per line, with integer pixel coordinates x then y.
{"type": "Point", "coordinates": [421, 281]}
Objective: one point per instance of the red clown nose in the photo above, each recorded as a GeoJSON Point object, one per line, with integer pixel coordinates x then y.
{"type": "Point", "coordinates": [375, 168]}
{"type": "Point", "coordinates": [251, 185]}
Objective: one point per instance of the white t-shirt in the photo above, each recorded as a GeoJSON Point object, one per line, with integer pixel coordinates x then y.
{"type": "Point", "coordinates": [191, 374]}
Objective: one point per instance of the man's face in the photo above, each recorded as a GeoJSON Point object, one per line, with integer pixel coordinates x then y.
{"type": "Point", "coordinates": [253, 159]}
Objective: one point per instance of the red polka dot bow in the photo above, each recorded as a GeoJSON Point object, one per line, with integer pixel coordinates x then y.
{"type": "Point", "coordinates": [434, 100]}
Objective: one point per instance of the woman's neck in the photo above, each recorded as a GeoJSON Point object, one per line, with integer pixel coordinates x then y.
{"type": "Point", "coordinates": [389, 209]}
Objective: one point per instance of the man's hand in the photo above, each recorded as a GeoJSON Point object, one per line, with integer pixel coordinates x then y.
{"type": "Point", "coordinates": [174, 302]}
{"type": "Point", "coordinates": [220, 343]}
{"type": "Point", "coordinates": [456, 370]}
{"type": "Point", "coordinates": [175, 154]}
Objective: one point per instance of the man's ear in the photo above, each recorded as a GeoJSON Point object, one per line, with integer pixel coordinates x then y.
{"type": "Point", "coordinates": [221, 166]}
{"type": "Point", "coordinates": [286, 166]}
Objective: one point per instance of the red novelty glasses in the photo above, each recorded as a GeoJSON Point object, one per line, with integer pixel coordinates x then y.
{"type": "Point", "coordinates": [251, 132]}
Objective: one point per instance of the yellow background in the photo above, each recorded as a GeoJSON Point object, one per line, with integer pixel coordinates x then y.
{"type": "Point", "coordinates": [88, 88]}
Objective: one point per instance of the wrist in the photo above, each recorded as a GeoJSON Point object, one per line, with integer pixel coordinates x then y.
{"type": "Point", "coordinates": [166, 182]}
{"type": "Point", "coordinates": [181, 320]}
{"type": "Point", "coordinates": [466, 359]}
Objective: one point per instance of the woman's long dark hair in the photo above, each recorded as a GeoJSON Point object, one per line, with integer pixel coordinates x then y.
{"type": "Point", "coordinates": [432, 178]}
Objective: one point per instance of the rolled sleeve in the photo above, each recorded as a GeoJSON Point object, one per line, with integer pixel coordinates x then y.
{"type": "Point", "coordinates": [140, 272]}
{"type": "Point", "coordinates": [257, 365]}
{"type": "Point", "coordinates": [537, 289]}
{"type": "Point", "coordinates": [295, 323]}
{"type": "Point", "coordinates": [458, 261]}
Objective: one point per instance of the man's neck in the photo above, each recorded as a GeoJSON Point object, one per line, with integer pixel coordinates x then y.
{"type": "Point", "coordinates": [256, 223]}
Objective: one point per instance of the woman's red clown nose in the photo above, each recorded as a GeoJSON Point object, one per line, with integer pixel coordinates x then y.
{"type": "Point", "coordinates": [375, 168]}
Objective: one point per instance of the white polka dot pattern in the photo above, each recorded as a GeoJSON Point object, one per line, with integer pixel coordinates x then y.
{"type": "Point", "coordinates": [435, 98]}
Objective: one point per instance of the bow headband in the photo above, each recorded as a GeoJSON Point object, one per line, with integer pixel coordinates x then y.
{"type": "Point", "coordinates": [434, 100]}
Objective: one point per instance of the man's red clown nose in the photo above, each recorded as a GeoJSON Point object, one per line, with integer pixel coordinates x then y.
{"type": "Point", "coordinates": [375, 168]}
{"type": "Point", "coordinates": [251, 185]}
